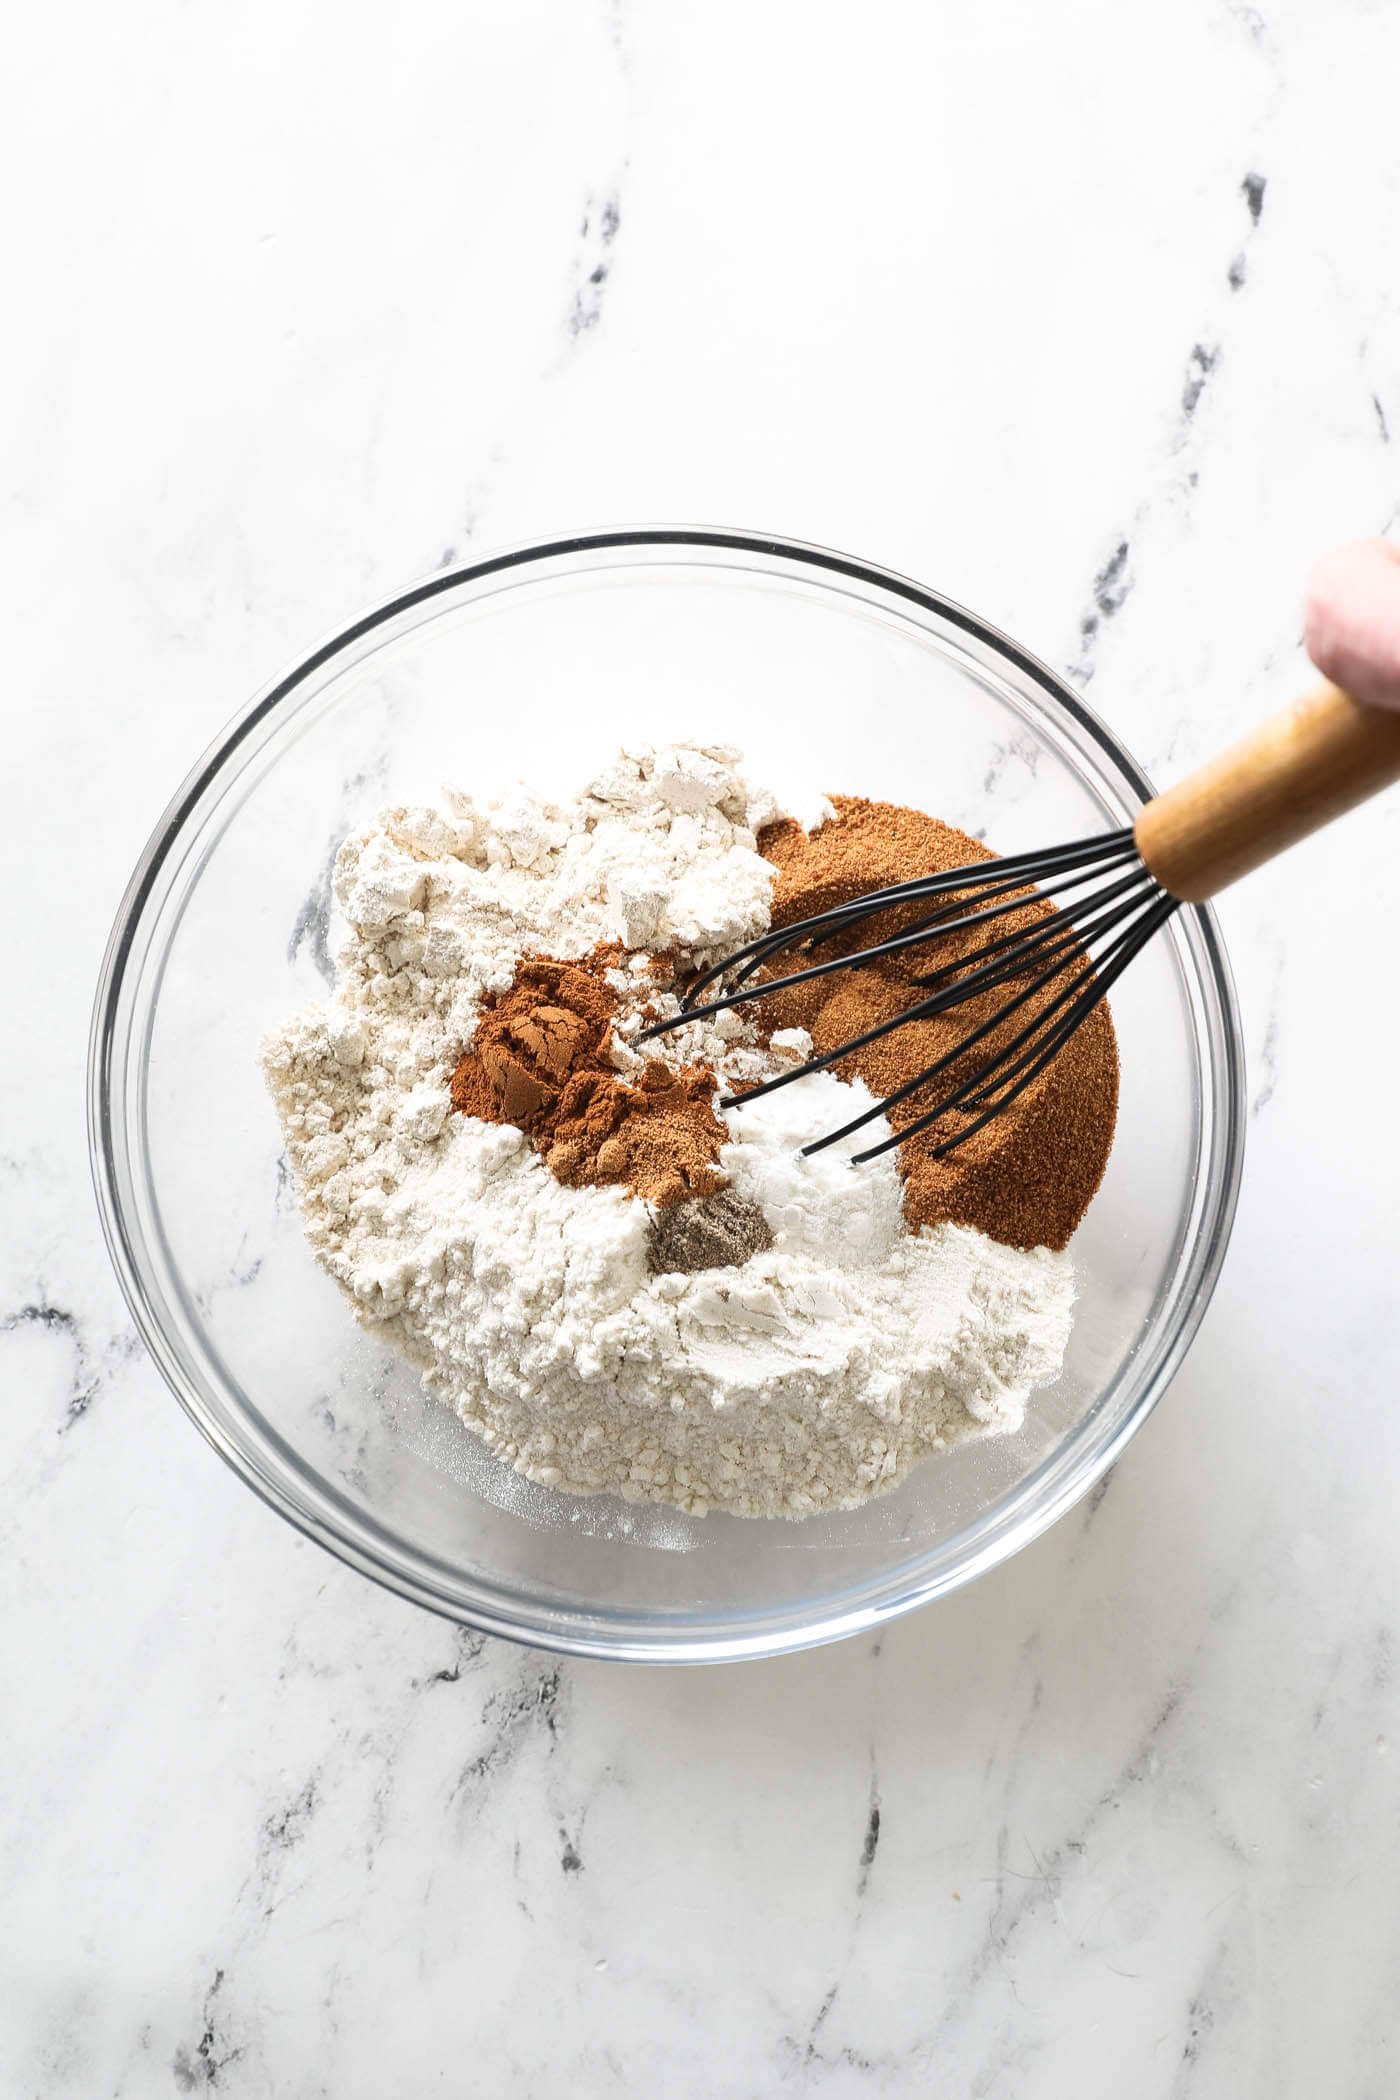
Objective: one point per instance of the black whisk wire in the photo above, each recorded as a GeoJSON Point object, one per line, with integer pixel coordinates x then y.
{"type": "Point", "coordinates": [1094, 936]}
{"type": "Point", "coordinates": [910, 937]}
{"type": "Point", "coordinates": [1015, 891]}
{"type": "Point", "coordinates": [993, 1081]}
{"type": "Point", "coordinates": [1020, 869]}
{"type": "Point", "coordinates": [967, 1042]}
{"type": "Point", "coordinates": [956, 994]}
{"type": "Point", "coordinates": [1138, 881]}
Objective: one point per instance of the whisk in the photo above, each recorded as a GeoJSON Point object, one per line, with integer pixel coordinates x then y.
{"type": "Point", "coordinates": [1108, 896]}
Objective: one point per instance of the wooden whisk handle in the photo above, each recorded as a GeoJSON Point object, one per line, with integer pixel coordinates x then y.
{"type": "Point", "coordinates": [1292, 775]}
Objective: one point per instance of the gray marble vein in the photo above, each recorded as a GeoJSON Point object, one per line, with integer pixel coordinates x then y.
{"type": "Point", "coordinates": [1115, 577]}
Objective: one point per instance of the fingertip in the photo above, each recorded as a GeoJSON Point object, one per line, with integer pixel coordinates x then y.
{"type": "Point", "coordinates": [1351, 625]}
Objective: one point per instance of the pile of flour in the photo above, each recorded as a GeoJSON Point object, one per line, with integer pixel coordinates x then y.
{"type": "Point", "coordinates": [812, 1376]}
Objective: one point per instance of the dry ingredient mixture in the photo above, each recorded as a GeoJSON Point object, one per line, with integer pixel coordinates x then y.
{"type": "Point", "coordinates": [620, 1287]}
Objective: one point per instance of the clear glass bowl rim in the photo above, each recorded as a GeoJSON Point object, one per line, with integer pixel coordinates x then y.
{"type": "Point", "coordinates": [322, 1514]}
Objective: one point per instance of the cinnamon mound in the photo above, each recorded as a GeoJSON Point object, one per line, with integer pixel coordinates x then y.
{"type": "Point", "coordinates": [540, 1059]}
{"type": "Point", "coordinates": [1028, 1176]}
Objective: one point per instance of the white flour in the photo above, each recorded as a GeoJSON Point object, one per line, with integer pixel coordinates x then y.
{"type": "Point", "coordinates": [811, 1377]}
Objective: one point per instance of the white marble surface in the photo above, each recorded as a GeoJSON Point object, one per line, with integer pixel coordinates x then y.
{"type": "Point", "coordinates": [1090, 316]}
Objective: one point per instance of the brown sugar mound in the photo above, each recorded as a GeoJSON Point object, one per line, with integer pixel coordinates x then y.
{"type": "Point", "coordinates": [1029, 1175]}
{"type": "Point", "coordinates": [540, 1059]}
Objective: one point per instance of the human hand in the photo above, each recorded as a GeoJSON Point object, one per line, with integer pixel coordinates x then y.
{"type": "Point", "coordinates": [1352, 625]}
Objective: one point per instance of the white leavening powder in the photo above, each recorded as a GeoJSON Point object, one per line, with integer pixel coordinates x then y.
{"type": "Point", "coordinates": [811, 1377]}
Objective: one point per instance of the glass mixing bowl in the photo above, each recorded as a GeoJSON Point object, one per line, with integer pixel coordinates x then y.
{"type": "Point", "coordinates": [539, 662]}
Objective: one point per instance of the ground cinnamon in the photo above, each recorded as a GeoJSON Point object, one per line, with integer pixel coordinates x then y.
{"type": "Point", "coordinates": [540, 1059]}
{"type": "Point", "coordinates": [1026, 1178]}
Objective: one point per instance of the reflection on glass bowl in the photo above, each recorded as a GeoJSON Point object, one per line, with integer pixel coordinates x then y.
{"type": "Point", "coordinates": [533, 662]}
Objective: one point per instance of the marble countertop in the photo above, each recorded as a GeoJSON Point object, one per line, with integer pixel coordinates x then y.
{"type": "Point", "coordinates": [1088, 316]}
